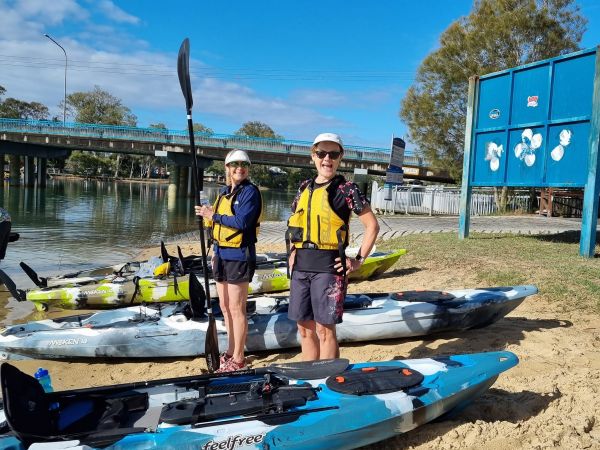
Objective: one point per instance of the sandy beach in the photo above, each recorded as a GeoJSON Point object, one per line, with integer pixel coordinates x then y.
{"type": "Point", "coordinates": [550, 400]}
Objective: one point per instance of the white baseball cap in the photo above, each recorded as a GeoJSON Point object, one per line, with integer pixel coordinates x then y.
{"type": "Point", "coordinates": [329, 137]}
{"type": "Point", "coordinates": [237, 155]}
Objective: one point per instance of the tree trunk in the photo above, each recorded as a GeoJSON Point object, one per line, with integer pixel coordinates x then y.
{"type": "Point", "coordinates": [117, 164]}
{"type": "Point", "coordinates": [501, 199]}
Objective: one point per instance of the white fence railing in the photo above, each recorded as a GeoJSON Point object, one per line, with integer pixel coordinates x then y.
{"type": "Point", "coordinates": [438, 200]}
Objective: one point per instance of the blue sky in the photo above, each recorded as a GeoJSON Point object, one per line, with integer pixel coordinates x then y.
{"type": "Point", "coordinates": [302, 67]}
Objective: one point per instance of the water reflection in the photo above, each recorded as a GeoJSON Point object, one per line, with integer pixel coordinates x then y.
{"type": "Point", "coordinates": [80, 224]}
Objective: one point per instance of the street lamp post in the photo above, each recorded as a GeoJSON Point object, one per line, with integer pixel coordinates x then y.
{"type": "Point", "coordinates": [65, 100]}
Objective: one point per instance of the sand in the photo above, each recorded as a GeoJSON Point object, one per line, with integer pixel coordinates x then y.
{"type": "Point", "coordinates": [550, 400]}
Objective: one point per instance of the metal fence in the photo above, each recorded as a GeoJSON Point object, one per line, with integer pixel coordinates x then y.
{"type": "Point", "coordinates": [439, 200]}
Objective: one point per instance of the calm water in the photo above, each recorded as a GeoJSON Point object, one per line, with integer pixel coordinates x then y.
{"type": "Point", "coordinates": [82, 224]}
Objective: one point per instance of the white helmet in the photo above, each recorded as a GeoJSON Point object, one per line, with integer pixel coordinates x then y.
{"type": "Point", "coordinates": [329, 137]}
{"type": "Point", "coordinates": [237, 155]}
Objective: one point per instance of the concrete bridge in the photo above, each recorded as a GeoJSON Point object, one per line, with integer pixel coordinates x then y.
{"type": "Point", "coordinates": [46, 139]}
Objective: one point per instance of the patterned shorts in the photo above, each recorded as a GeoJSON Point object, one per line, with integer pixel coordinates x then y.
{"type": "Point", "coordinates": [316, 296]}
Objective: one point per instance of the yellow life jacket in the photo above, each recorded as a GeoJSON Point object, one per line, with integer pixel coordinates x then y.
{"type": "Point", "coordinates": [226, 236]}
{"type": "Point", "coordinates": [315, 224]}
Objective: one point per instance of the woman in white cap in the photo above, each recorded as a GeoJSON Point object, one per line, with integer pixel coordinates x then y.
{"type": "Point", "coordinates": [234, 220]}
{"type": "Point", "coordinates": [318, 234]}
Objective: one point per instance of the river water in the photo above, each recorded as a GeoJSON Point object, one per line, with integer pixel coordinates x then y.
{"type": "Point", "coordinates": [74, 224]}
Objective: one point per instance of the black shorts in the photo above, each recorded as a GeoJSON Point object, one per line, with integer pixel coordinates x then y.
{"type": "Point", "coordinates": [233, 271]}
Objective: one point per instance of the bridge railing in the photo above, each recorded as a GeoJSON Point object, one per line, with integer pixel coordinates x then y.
{"type": "Point", "coordinates": [180, 137]}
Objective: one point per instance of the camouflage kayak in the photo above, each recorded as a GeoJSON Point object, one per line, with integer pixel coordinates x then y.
{"type": "Point", "coordinates": [175, 330]}
{"type": "Point", "coordinates": [122, 290]}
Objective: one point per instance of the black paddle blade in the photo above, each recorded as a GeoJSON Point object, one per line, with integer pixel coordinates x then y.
{"type": "Point", "coordinates": [211, 345]}
{"type": "Point", "coordinates": [18, 294]}
{"type": "Point", "coordinates": [197, 298]}
{"type": "Point", "coordinates": [164, 254]}
{"type": "Point", "coordinates": [33, 276]}
{"type": "Point", "coordinates": [183, 71]}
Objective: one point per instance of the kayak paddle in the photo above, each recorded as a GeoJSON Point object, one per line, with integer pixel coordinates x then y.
{"type": "Point", "coordinates": [211, 350]}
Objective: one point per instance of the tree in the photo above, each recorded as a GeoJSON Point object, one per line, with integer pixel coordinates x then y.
{"type": "Point", "coordinates": [199, 128]}
{"type": "Point", "coordinates": [99, 106]}
{"type": "Point", "coordinates": [496, 35]}
{"type": "Point", "coordinates": [296, 176]}
{"type": "Point", "coordinates": [18, 109]}
{"type": "Point", "coordinates": [12, 108]}
{"type": "Point", "coordinates": [257, 129]}
{"type": "Point", "coordinates": [88, 164]}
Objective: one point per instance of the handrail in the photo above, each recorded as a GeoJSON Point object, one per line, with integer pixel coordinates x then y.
{"type": "Point", "coordinates": [180, 137]}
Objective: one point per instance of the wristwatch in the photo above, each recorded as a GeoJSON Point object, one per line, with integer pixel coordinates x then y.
{"type": "Point", "coordinates": [359, 258]}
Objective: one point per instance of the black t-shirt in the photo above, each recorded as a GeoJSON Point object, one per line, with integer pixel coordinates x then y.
{"type": "Point", "coordinates": [344, 197]}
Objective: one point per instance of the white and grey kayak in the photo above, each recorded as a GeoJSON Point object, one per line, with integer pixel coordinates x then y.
{"type": "Point", "coordinates": [168, 330]}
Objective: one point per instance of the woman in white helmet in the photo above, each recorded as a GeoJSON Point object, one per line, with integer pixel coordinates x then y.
{"type": "Point", "coordinates": [317, 235]}
{"type": "Point", "coordinates": [234, 219]}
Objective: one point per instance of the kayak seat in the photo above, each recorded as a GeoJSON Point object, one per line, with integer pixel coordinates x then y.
{"type": "Point", "coordinates": [374, 380]}
{"type": "Point", "coordinates": [26, 405]}
{"type": "Point", "coordinates": [91, 414]}
{"type": "Point", "coordinates": [35, 414]}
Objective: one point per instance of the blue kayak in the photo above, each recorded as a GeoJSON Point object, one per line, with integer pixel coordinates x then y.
{"type": "Point", "coordinates": [314, 405]}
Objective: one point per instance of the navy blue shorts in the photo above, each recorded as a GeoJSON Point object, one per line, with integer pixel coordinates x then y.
{"type": "Point", "coordinates": [317, 296]}
{"type": "Point", "coordinates": [233, 271]}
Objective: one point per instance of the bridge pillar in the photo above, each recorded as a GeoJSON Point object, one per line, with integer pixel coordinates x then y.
{"type": "Point", "coordinates": [29, 171]}
{"type": "Point", "coordinates": [182, 184]}
{"type": "Point", "coordinates": [15, 170]}
{"type": "Point", "coordinates": [42, 172]}
{"type": "Point", "coordinates": [174, 175]}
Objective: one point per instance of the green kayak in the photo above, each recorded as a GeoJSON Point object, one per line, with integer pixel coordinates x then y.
{"type": "Point", "coordinates": [123, 289]}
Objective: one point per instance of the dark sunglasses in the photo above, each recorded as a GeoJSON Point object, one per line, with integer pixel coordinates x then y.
{"type": "Point", "coordinates": [321, 154]}
{"type": "Point", "coordinates": [236, 164]}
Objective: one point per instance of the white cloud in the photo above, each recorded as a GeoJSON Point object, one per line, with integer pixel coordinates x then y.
{"type": "Point", "coordinates": [32, 69]}
{"type": "Point", "coordinates": [239, 103]}
{"type": "Point", "coordinates": [50, 12]}
{"type": "Point", "coordinates": [116, 14]}
{"type": "Point", "coordinates": [319, 97]}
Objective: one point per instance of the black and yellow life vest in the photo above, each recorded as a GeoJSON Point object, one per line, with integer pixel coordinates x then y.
{"type": "Point", "coordinates": [226, 236]}
{"type": "Point", "coordinates": [315, 224]}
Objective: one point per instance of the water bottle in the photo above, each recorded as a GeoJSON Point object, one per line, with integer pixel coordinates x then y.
{"type": "Point", "coordinates": [43, 377]}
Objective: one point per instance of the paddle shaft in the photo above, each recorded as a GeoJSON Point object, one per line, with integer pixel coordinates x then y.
{"type": "Point", "coordinates": [183, 72]}
{"type": "Point", "coordinates": [197, 190]}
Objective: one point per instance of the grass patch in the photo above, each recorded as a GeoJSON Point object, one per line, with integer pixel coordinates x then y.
{"type": "Point", "coordinates": [553, 265]}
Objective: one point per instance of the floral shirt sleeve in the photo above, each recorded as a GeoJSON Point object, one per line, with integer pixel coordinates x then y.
{"type": "Point", "coordinates": [303, 186]}
{"type": "Point", "coordinates": [4, 216]}
{"type": "Point", "coordinates": [355, 199]}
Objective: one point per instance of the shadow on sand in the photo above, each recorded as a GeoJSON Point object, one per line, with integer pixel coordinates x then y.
{"type": "Point", "coordinates": [397, 273]}
{"type": "Point", "coordinates": [495, 405]}
{"type": "Point", "coordinates": [507, 331]}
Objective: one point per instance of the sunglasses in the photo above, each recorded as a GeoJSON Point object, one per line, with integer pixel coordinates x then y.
{"type": "Point", "coordinates": [321, 154]}
{"type": "Point", "coordinates": [236, 164]}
